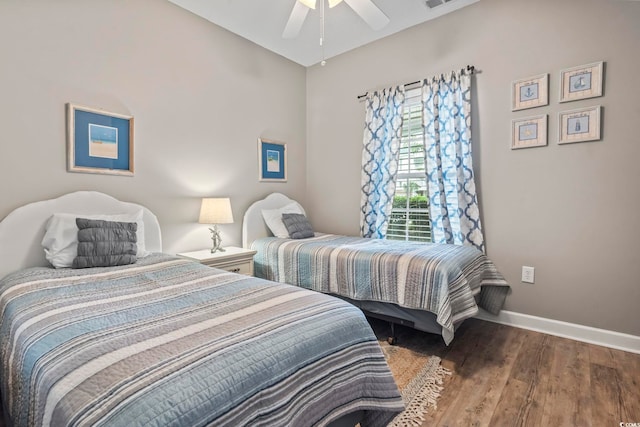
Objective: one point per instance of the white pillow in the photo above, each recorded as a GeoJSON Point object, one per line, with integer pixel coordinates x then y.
{"type": "Point", "coordinates": [273, 218]}
{"type": "Point", "coordinates": [60, 239]}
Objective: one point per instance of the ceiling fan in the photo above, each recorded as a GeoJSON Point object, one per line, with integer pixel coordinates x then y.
{"type": "Point", "coordinates": [366, 9]}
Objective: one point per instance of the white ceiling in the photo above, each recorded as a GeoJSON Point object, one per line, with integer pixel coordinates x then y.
{"type": "Point", "coordinates": [263, 21]}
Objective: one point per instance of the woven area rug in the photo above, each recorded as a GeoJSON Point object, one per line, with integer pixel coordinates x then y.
{"type": "Point", "coordinates": [419, 376]}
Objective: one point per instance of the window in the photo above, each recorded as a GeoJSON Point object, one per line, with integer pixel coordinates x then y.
{"type": "Point", "coordinates": [410, 212]}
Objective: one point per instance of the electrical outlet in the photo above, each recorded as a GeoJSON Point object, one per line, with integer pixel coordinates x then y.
{"type": "Point", "coordinates": [528, 274]}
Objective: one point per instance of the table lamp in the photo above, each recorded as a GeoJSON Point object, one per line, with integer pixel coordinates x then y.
{"type": "Point", "coordinates": [216, 211]}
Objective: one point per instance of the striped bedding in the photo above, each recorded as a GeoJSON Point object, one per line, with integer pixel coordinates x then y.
{"type": "Point", "coordinates": [443, 279]}
{"type": "Point", "coordinates": [167, 341]}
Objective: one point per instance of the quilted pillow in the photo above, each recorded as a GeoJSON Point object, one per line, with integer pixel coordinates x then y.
{"type": "Point", "coordinates": [105, 243]}
{"type": "Point", "coordinates": [297, 225]}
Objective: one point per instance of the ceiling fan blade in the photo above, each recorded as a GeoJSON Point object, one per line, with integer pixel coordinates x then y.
{"type": "Point", "coordinates": [311, 4]}
{"type": "Point", "coordinates": [296, 19]}
{"type": "Point", "coordinates": [369, 12]}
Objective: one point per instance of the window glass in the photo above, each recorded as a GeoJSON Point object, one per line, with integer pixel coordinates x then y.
{"type": "Point", "coordinates": [410, 213]}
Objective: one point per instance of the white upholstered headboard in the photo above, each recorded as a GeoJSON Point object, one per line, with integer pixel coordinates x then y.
{"type": "Point", "coordinates": [253, 225]}
{"type": "Point", "coordinates": [22, 230]}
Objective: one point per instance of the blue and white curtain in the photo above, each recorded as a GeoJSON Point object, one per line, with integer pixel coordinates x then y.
{"type": "Point", "coordinates": [382, 132]}
{"type": "Point", "coordinates": [453, 203]}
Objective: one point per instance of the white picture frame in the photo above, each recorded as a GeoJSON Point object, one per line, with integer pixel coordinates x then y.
{"type": "Point", "coordinates": [579, 125]}
{"type": "Point", "coordinates": [581, 82]}
{"type": "Point", "coordinates": [528, 132]}
{"type": "Point", "coordinates": [99, 141]}
{"type": "Point", "coordinates": [530, 92]}
{"type": "Point", "coordinates": [272, 160]}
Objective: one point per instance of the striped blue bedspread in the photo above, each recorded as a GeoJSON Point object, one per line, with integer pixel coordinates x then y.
{"type": "Point", "coordinates": [442, 279]}
{"type": "Point", "coordinates": [167, 341]}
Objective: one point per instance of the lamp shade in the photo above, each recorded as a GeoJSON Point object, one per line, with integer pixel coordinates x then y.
{"type": "Point", "coordinates": [216, 211]}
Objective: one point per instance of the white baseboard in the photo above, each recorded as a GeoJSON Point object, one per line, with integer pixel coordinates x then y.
{"type": "Point", "coordinates": [603, 337]}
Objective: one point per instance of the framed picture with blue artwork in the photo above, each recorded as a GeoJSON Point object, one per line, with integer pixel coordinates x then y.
{"type": "Point", "coordinates": [272, 160]}
{"type": "Point", "coordinates": [579, 125]}
{"type": "Point", "coordinates": [530, 92]}
{"type": "Point", "coordinates": [582, 82]}
{"type": "Point", "coordinates": [529, 132]}
{"type": "Point", "coordinates": [98, 141]}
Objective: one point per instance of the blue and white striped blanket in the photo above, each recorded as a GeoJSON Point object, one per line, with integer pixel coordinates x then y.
{"type": "Point", "coordinates": [167, 341]}
{"type": "Point", "coordinates": [442, 279]}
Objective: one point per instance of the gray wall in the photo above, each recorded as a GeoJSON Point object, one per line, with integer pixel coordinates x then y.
{"type": "Point", "coordinates": [570, 211]}
{"type": "Point", "coordinates": [200, 97]}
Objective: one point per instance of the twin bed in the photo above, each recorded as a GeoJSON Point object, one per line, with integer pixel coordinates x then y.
{"type": "Point", "coordinates": [167, 341]}
{"type": "Point", "coordinates": [429, 287]}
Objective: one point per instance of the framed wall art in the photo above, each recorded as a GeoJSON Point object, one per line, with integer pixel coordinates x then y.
{"type": "Point", "coordinates": [529, 132]}
{"type": "Point", "coordinates": [581, 82]}
{"type": "Point", "coordinates": [98, 141]}
{"type": "Point", "coordinates": [530, 92]}
{"type": "Point", "coordinates": [579, 125]}
{"type": "Point", "coordinates": [272, 160]}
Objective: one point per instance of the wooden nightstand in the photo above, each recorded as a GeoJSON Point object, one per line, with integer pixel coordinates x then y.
{"type": "Point", "coordinates": [235, 260]}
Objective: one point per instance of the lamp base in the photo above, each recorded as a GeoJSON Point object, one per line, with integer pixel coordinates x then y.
{"type": "Point", "coordinates": [216, 240]}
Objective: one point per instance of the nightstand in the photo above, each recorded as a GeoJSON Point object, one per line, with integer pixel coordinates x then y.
{"type": "Point", "coordinates": [233, 259]}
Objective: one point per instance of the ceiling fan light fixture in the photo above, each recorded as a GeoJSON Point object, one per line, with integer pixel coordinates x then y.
{"type": "Point", "coordinates": [333, 3]}
{"type": "Point", "coordinates": [311, 4]}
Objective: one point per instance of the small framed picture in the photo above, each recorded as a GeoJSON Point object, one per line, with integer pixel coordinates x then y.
{"type": "Point", "coordinates": [529, 132]}
{"type": "Point", "coordinates": [579, 125]}
{"type": "Point", "coordinates": [98, 141]}
{"type": "Point", "coordinates": [272, 160]}
{"type": "Point", "coordinates": [530, 92]}
{"type": "Point", "coordinates": [581, 82]}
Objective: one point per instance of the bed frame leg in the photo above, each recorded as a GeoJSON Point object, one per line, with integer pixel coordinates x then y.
{"type": "Point", "coordinates": [392, 338]}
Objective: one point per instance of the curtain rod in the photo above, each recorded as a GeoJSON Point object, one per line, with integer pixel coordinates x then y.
{"type": "Point", "coordinates": [470, 68]}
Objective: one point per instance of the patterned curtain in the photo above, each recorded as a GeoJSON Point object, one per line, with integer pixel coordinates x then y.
{"type": "Point", "coordinates": [453, 209]}
{"type": "Point", "coordinates": [382, 132]}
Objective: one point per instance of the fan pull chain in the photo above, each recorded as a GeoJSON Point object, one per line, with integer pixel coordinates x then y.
{"type": "Point", "coordinates": [323, 62]}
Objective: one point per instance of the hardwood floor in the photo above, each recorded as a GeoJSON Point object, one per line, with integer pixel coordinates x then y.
{"type": "Point", "coordinates": [505, 376]}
